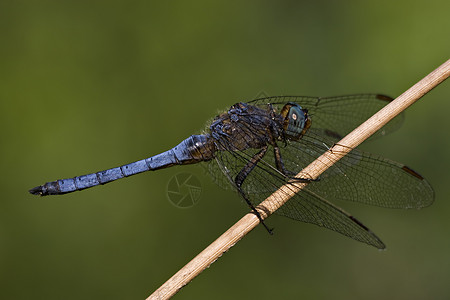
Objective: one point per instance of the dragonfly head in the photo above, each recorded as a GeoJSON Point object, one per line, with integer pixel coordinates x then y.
{"type": "Point", "coordinates": [296, 120]}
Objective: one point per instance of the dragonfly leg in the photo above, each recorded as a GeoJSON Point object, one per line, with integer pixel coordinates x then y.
{"type": "Point", "coordinates": [279, 162]}
{"type": "Point", "coordinates": [239, 180]}
{"type": "Point", "coordinates": [280, 166]}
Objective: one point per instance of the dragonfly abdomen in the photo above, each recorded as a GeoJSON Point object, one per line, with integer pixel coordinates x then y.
{"type": "Point", "coordinates": [194, 149]}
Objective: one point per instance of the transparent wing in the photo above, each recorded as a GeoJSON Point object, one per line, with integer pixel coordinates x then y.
{"type": "Point", "coordinates": [311, 208]}
{"type": "Point", "coordinates": [305, 206]}
{"type": "Point", "coordinates": [359, 176]}
{"type": "Point", "coordinates": [339, 114]}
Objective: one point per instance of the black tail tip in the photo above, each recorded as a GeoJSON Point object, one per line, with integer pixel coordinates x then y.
{"type": "Point", "coordinates": [37, 191]}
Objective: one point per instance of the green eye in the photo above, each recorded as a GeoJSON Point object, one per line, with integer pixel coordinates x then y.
{"type": "Point", "coordinates": [296, 120]}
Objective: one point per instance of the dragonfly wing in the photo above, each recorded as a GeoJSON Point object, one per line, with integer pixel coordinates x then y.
{"type": "Point", "coordinates": [306, 206]}
{"type": "Point", "coordinates": [311, 208]}
{"type": "Point", "coordinates": [359, 176]}
{"type": "Point", "coordinates": [342, 114]}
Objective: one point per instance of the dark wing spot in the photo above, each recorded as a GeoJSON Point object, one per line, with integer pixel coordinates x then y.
{"type": "Point", "coordinates": [384, 98]}
{"type": "Point", "coordinates": [412, 172]}
{"type": "Point", "coordinates": [359, 223]}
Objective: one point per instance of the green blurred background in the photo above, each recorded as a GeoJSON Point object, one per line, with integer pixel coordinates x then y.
{"type": "Point", "coordinates": [89, 85]}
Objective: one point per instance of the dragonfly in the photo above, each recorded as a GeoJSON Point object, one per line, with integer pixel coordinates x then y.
{"type": "Point", "coordinates": [258, 146]}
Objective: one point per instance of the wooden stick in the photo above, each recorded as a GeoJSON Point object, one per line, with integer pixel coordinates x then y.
{"type": "Point", "coordinates": [317, 167]}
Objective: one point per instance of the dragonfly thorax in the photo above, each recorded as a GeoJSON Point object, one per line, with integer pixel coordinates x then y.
{"type": "Point", "coordinates": [231, 129]}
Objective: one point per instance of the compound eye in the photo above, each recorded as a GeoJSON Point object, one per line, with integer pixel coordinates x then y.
{"type": "Point", "coordinates": [296, 120]}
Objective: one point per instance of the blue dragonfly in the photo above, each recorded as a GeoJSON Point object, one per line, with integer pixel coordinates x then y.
{"type": "Point", "coordinates": [257, 146]}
